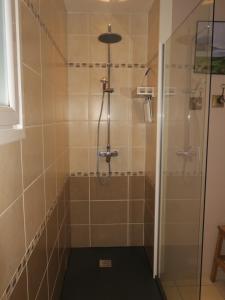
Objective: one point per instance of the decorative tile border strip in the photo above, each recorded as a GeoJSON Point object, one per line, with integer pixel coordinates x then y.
{"type": "Point", "coordinates": [179, 66]}
{"type": "Point", "coordinates": [105, 65]}
{"type": "Point", "coordinates": [15, 278]}
{"type": "Point", "coordinates": [104, 174]}
{"type": "Point", "coordinates": [182, 174]}
{"type": "Point", "coordinates": [35, 13]}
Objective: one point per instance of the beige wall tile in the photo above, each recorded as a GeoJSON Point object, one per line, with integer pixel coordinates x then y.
{"type": "Point", "coordinates": [119, 134]}
{"type": "Point", "coordinates": [78, 108]}
{"type": "Point", "coordinates": [36, 267]}
{"type": "Point", "coordinates": [120, 163]}
{"type": "Point", "coordinates": [78, 81]}
{"type": "Point", "coordinates": [135, 235]}
{"type": "Point", "coordinates": [43, 292]}
{"type": "Point", "coordinates": [115, 189]}
{"type": "Point", "coordinates": [138, 111]}
{"type": "Point", "coordinates": [80, 236]}
{"type": "Point", "coordinates": [50, 186]}
{"type": "Point", "coordinates": [53, 270]}
{"type": "Point", "coordinates": [32, 152]}
{"type": "Point", "coordinates": [120, 108]}
{"type": "Point", "coordinates": [120, 79]}
{"type": "Point", "coordinates": [78, 134]}
{"type": "Point", "coordinates": [49, 132]}
{"type": "Point", "coordinates": [79, 211]}
{"type": "Point", "coordinates": [34, 207]}
{"type": "Point", "coordinates": [138, 159]}
{"type": "Point", "coordinates": [78, 23]}
{"type": "Point", "coordinates": [32, 98]}
{"type": "Point", "coordinates": [78, 48]}
{"type": "Point", "coordinates": [20, 291]}
{"type": "Point", "coordinates": [93, 130]}
{"type": "Point", "coordinates": [136, 187]}
{"type": "Point", "coordinates": [139, 135]}
{"type": "Point", "coordinates": [52, 231]}
{"type": "Point", "coordinates": [108, 212]}
{"type": "Point", "coordinates": [136, 212]}
{"type": "Point", "coordinates": [98, 51]}
{"type": "Point", "coordinates": [139, 24]}
{"type": "Point", "coordinates": [99, 23]}
{"type": "Point", "coordinates": [109, 235]}
{"type": "Point", "coordinates": [10, 174]}
{"type": "Point", "coordinates": [30, 39]}
{"type": "Point", "coordinates": [79, 188]}
{"type": "Point", "coordinates": [139, 49]}
{"type": "Point", "coordinates": [79, 160]}
{"type": "Point", "coordinates": [121, 51]}
{"type": "Point", "coordinates": [12, 242]}
{"type": "Point", "coordinates": [94, 107]}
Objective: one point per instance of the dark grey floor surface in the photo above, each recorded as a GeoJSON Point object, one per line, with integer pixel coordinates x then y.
{"type": "Point", "coordinates": [129, 278]}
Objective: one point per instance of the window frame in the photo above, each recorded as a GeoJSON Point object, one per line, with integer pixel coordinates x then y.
{"type": "Point", "coordinates": [11, 120]}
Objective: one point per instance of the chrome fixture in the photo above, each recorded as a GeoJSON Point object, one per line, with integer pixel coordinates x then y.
{"type": "Point", "coordinates": [107, 38]}
{"type": "Point", "coordinates": [221, 98]}
{"type": "Point", "coordinates": [110, 37]}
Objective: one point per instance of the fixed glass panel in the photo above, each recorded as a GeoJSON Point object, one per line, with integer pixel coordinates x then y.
{"type": "Point", "coordinates": [4, 101]}
{"type": "Point", "coordinates": [184, 139]}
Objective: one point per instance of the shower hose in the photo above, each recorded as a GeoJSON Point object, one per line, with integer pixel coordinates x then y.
{"type": "Point", "coordinates": [102, 180]}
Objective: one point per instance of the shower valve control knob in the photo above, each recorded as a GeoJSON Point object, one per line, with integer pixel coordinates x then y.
{"type": "Point", "coordinates": [108, 154]}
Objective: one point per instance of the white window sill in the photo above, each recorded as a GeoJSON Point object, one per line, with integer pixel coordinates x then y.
{"type": "Point", "coordinates": [11, 135]}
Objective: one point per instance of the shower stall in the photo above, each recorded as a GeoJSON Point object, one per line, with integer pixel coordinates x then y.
{"type": "Point", "coordinates": [184, 136]}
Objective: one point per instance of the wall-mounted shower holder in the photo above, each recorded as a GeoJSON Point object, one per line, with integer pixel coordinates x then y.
{"type": "Point", "coordinates": [108, 154]}
{"type": "Point", "coordinates": [146, 91]}
{"type": "Point", "coordinates": [219, 100]}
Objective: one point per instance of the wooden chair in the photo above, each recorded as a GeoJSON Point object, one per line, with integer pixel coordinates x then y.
{"type": "Point", "coordinates": [219, 259]}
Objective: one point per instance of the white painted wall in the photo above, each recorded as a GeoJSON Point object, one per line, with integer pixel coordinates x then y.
{"type": "Point", "coordinates": [215, 192]}
{"type": "Point", "coordinates": [181, 9]}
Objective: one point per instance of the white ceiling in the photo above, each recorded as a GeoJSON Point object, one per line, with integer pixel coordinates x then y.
{"type": "Point", "coordinates": [118, 6]}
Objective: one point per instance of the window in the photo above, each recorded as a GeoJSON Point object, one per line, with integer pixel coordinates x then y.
{"type": "Point", "coordinates": [10, 72]}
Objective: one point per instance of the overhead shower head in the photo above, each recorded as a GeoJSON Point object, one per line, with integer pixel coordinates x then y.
{"type": "Point", "coordinates": [110, 37]}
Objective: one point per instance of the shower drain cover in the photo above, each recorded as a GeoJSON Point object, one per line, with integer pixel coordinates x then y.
{"type": "Point", "coordinates": [105, 263]}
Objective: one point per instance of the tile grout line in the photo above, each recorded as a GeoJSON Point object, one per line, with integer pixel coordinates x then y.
{"type": "Point", "coordinates": [24, 215]}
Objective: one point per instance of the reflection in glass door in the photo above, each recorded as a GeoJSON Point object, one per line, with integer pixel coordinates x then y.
{"type": "Point", "coordinates": [184, 139]}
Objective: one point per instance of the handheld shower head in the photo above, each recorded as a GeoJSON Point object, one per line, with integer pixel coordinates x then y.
{"type": "Point", "coordinates": [147, 71]}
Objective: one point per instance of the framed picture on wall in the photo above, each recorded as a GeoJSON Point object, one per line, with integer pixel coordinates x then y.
{"type": "Point", "coordinates": [203, 48]}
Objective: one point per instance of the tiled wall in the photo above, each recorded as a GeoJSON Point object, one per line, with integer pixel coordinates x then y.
{"type": "Point", "coordinates": [34, 198]}
{"type": "Point", "coordinates": [88, 57]}
{"type": "Point", "coordinates": [151, 130]}
{"type": "Point", "coordinates": [109, 214]}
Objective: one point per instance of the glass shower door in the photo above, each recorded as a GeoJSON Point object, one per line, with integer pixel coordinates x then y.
{"type": "Point", "coordinates": [184, 145]}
